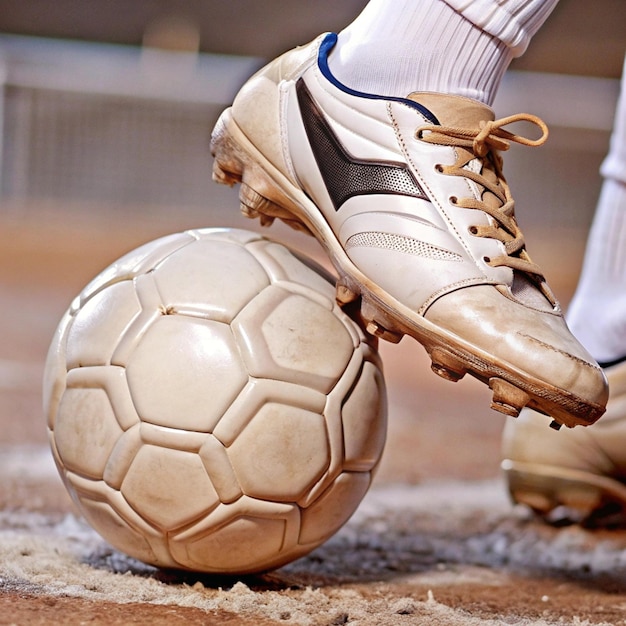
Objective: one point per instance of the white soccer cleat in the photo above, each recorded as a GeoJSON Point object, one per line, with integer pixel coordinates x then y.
{"type": "Point", "coordinates": [575, 475]}
{"type": "Point", "coordinates": [408, 198]}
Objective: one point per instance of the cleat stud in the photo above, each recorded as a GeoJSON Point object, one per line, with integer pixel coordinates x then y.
{"type": "Point", "coordinates": [374, 328]}
{"type": "Point", "coordinates": [507, 398]}
{"type": "Point", "coordinates": [506, 409]}
{"type": "Point", "coordinates": [266, 220]}
{"type": "Point", "coordinates": [392, 336]}
{"type": "Point", "coordinates": [251, 198]}
{"type": "Point", "coordinates": [225, 175]}
{"type": "Point", "coordinates": [254, 205]}
{"type": "Point", "coordinates": [345, 295]}
{"type": "Point", "coordinates": [248, 211]}
{"type": "Point", "coordinates": [555, 425]}
{"type": "Point", "coordinates": [446, 373]}
{"type": "Point", "coordinates": [446, 365]}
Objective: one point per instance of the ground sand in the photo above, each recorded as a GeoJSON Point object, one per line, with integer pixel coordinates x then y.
{"type": "Point", "coordinates": [436, 541]}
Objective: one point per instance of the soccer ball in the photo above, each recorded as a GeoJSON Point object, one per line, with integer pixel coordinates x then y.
{"type": "Point", "coordinates": [210, 407]}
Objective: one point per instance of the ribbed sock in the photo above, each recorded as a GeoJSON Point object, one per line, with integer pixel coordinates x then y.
{"type": "Point", "coordinates": [597, 313]}
{"type": "Point", "coordinates": [395, 47]}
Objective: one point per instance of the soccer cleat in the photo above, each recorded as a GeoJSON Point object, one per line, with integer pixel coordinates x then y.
{"type": "Point", "coordinates": [575, 475]}
{"type": "Point", "coordinates": [407, 197]}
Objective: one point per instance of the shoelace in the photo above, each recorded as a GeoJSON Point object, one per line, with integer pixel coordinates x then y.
{"type": "Point", "coordinates": [485, 143]}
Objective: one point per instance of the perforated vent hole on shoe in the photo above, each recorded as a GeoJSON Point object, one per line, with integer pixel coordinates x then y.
{"type": "Point", "coordinates": [344, 174]}
{"type": "Point", "coordinates": [400, 243]}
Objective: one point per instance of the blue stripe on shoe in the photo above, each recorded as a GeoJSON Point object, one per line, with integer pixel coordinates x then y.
{"type": "Point", "coordinates": [322, 60]}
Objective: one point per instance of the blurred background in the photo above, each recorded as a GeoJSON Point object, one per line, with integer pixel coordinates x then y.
{"type": "Point", "coordinates": [106, 108]}
{"type": "Point", "coordinates": [111, 103]}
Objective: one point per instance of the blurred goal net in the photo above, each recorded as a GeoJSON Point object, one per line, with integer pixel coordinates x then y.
{"type": "Point", "coordinates": [110, 126]}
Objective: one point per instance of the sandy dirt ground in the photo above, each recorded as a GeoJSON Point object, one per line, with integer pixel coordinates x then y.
{"type": "Point", "coordinates": [436, 541]}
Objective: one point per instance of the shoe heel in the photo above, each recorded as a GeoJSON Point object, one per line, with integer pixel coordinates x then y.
{"type": "Point", "coordinates": [259, 197]}
{"type": "Point", "coordinates": [227, 166]}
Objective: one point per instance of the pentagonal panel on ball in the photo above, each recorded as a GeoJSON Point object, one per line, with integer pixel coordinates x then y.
{"type": "Point", "coordinates": [185, 372]}
{"type": "Point", "coordinates": [242, 546]}
{"type": "Point", "coordinates": [99, 324]}
{"type": "Point", "coordinates": [111, 515]}
{"type": "Point", "coordinates": [135, 262]}
{"type": "Point", "coordinates": [287, 265]}
{"type": "Point", "coordinates": [117, 532]}
{"type": "Point", "coordinates": [287, 336]}
{"type": "Point", "coordinates": [364, 417]}
{"type": "Point", "coordinates": [212, 277]}
{"type": "Point", "coordinates": [281, 453]}
{"type": "Point", "coordinates": [246, 536]}
{"type": "Point", "coordinates": [334, 507]}
{"type": "Point", "coordinates": [168, 488]}
{"type": "Point", "coordinates": [85, 431]}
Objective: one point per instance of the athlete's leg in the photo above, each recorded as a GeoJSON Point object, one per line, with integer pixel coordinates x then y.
{"type": "Point", "coordinates": [597, 313]}
{"type": "Point", "coordinates": [580, 474]}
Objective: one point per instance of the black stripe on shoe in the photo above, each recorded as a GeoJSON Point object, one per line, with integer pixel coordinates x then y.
{"type": "Point", "coordinates": [344, 175]}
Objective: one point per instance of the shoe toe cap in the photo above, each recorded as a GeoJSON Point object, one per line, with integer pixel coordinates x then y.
{"type": "Point", "coordinates": [521, 338]}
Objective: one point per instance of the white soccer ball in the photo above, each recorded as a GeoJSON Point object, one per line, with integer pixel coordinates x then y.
{"type": "Point", "coordinates": [210, 407]}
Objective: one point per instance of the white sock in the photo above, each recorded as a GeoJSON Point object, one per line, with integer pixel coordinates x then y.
{"type": "Point", "coordinates": [513, 22]}
{"type": "Point", "coordinates": [597, 313]}
{"type": "Point", "coordinates": [395, 47]}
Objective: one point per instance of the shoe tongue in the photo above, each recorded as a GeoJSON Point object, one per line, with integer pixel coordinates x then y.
{"type": "Point", "coordinates": [461, 112]}
{"type": "Point", "coordinates": [533, 295]}
{"type": "Point", "coordinates": [454, 111]}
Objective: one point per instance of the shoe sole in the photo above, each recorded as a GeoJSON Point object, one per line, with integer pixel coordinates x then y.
{"type": "Point", "coordinates": [266, 194]}
{"type": "Point", "coordinates": [562, 495]}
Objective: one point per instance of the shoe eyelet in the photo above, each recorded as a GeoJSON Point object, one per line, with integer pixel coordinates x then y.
{"type": "Point", "coordinates": [487, 259]}
{"type": "Point", "coordinates": [473, 230]}
{"type": "Point", "coordinates": [439, 168]}
{"type": "Point", "coordinates": [453, 199]}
